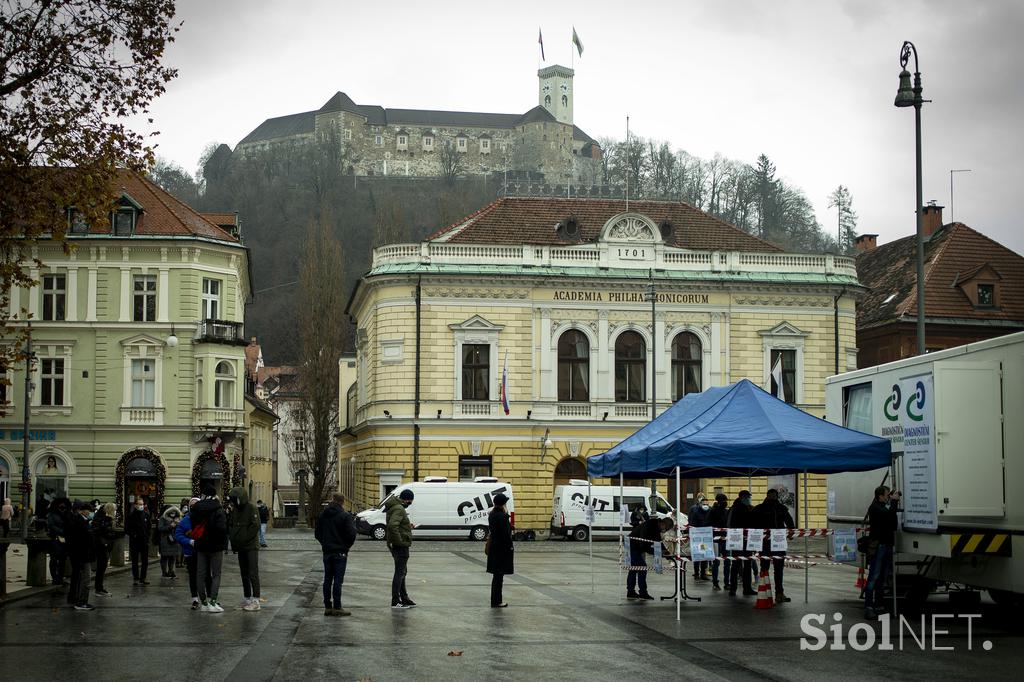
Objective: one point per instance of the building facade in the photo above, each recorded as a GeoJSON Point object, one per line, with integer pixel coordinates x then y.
{"type": "Point", "coordinates": [138, 355]}
{"type": "Point", "coordinates": [974, 290]}
{"type": "Point", "coordinates": [543, 142]}
{"type": "Point", "coordinates": [550, 294]}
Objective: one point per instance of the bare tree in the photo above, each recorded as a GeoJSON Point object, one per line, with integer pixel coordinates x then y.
{"type": "Point", "coordinates": [321, 331]}
{"type": "Point", "coordinates": [451, 162]}
{"type": "Point", "coordinates": [842, 200]}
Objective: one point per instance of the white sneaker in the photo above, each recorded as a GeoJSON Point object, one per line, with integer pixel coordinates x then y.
{"type": "Point", "coordinates": [244, 603]}
{"type": "Point", "coordinates": [206, 607]}
{"type": "Point", "coordinates": [253, 605]}
{"type": "Point", "coordinates": [215, 607]}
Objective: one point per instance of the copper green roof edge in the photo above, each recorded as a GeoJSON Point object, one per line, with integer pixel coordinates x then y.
{"type": "Point", "coordinates": [625, 273]}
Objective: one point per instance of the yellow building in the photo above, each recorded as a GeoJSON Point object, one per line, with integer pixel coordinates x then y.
{"type": "Point", "coordinates": [259, 461]}
{"type": "Point", "coordinates": [552, 293]}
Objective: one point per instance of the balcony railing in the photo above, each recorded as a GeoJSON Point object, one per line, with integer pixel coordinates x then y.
{"type": "Point", "coordinates": [216, 417]}
{"type": "Point", "coordinates": [142, 416]}
{"type": "Point", "coordinates": [221, 331]}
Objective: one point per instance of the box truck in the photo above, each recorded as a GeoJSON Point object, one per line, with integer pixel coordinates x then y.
{"type": "Point", "coordinates": [956, 422]}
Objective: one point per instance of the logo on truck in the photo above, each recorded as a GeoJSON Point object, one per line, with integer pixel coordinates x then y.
{"type": "Point", "coordinates": [476, 507]}
{"type": "Point", "coordinates": [893, 401]}
{"type": "Point", "coordinates": [582, 501]}
{"type": "Point", "coordinates": [916, 400]}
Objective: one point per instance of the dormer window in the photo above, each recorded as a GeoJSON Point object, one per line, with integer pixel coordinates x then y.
{"type": "Point", "coordinates": [986, 295]}
{"type": "Point", "coordinates": [76, 222]}
{"type": "Point", "coordinates": [485, 146]}
{"type": "Point", "coordinates": [428, 143]}
{"type": "Point", "coordinates": [124, 222]}
{"type": "Point", "coordinates": [460, 144]}
{"type": "Point", "coordinates": [402, 141]}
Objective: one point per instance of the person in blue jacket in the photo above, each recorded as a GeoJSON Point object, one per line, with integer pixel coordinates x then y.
{"type": "Point", "coordinates": [181, 534]}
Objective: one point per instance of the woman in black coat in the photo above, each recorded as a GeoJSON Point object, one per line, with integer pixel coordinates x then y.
{"type": "Point", "coordinates": [499, 554]}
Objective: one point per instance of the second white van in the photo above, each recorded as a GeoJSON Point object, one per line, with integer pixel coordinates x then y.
{"type": "Point", "coordinates": [568, 515]}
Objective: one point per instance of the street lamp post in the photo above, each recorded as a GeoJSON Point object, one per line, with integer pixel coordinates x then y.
{"type": "Point", "coordinates": [26, 476]}
{"type": "Point", "coordinates": [908, 96]}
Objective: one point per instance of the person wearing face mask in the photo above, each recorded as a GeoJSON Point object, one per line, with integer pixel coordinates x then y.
{"type": "Point", "coordinates": [169, 548]}
{"type": "Point", "coordinates": [81, 552]}
{"type": "Point", "coordinates": [399, 539]}
{"type": "Point", "coordinates": [773, 514]}
{"type": "Point", "coordinates": [137, 528]}
{"type": "Point", "coordinates": [718, 517]}
{"type": "Point", "coordinates": [742, 516]}
{"type": "Point", "coordinates": [882, 523]}
{"type": "Point", "coordinates": [697, 517]}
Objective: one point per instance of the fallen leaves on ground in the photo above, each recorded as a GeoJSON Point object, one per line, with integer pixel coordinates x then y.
{"type": "Point", "coordinates": [455, 652]}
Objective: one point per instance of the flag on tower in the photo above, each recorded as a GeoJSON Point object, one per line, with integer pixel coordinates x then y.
{"type": "Point", "coordinates": [504, 385]}
{"type": "Point", "coordinates": [540, 39]}
{"type": "Point", "coordinates": [777, 377]}
{"type": "Point", "coordinates": [576, 41]}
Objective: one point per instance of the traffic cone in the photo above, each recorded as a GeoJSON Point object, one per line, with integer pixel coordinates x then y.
{"type": "Point", "coordinates": [861, 581]}
{"type": "Point", "coordinates": [764, 592]}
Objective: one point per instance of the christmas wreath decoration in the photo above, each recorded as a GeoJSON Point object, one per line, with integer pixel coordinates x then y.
{"type": "Point", "coordinates": [225, 467]}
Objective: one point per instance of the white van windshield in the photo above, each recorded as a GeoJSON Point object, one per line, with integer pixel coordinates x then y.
{"type": "Point", "coordinates": [384, 501]}
{"type": "Point", "coordinates": [661, 506]}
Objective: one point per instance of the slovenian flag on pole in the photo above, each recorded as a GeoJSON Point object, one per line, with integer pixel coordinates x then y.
{"type": "Point", "coordinates": [777, 376]}
{"type": "Point", "coordinates": [540, 39]}
{"type": "Point", "coordinates": [576, 41]}
{"type": "Point", "coordinates": [504, 385]}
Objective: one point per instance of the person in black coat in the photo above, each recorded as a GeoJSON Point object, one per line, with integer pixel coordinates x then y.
{"type": "Point", "coordinates": [81, 552]}
{"type": "Point", "coordinates": [642, 539]}
{"type": "Point", "coordinates": [697, 517]}
{"type": "Point", "coordinates": [336, 532]}
{"type": "Point", "coordinates": [500, 559]}
{"type": "Point", "coordinates": [103, 537]}
{"type": "Point", "coordinates": [773, 514]}
{"type": "Point", "coordinates": [56, 522]}
{"type": "Point", "coordinates": [742, 516]}
{"type": "Point", "coordinates": [137, 527]}
{"type": "Point", "coordinates": [718, 517]}
{"type": "Point", "coordinates": [882, 524]}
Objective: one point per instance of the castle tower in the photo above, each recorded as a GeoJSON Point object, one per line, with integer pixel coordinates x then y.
{"type": "Point", "coordinates": [555, 91]}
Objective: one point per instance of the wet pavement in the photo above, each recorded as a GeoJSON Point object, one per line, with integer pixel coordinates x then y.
{"type": "Point", "coordinates": [564, 622]}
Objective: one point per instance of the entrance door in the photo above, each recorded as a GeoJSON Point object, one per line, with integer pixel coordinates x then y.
{"type": "Point", "coordinates": [568, 469]}
{"type": "Point", "coordinates": [140, 482]}
{"type": "Point", "coordinates": [688, 488]}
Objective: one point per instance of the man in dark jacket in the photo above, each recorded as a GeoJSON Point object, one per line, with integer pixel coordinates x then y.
{"type": "Point", "coordinates": [697, 517]}
{"type": "Point", "coordinates": [399, 539]}
{"type": "Point", "coordinates": [137, 528]}
{"type": "Point", "coordinates": [500, 552]}
{"type": "Point", "coordinates": [773, 514]}
{"type": "Point", "coordinates": [336, 531]}
{"type": "Point", "coordinates": [642, 539]}
{"type": "Point", "coordinates": [82, 553]}
{"type": "Point", "coordinates": [718, 517]}
{"type": "Point", "coordinates": [244, 534]}
{"type": "Point", "coordinates": [209, 539]}
{"type": "Point", "coordinates": [103, 536]}
{"type": "Point", "coordinates": [264, 520]}
{"type": "Point", "coordinates": [742, 516]}
{"type": "Point", "coordinates": [882, 524]}
{"type": "Point", "coordinates": [56, 519]}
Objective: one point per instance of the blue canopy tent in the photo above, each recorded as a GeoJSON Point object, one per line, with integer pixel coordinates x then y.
{"type": "Point", "coordinates": [738, 430]}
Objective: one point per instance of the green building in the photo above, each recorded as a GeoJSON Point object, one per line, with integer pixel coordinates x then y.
{"type": "Point", "coordinates": [138, 370]}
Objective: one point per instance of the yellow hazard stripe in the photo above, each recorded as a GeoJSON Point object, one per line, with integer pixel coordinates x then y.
{"type": "Point", "coordinates": [996, 543]}
{"type": "Point", "coordinates": [973, 543]}
{"type": "Point", "coordinates": [953, 541]}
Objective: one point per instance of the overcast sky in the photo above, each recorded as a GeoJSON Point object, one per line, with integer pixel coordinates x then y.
{"type": "Point", "coordinates": [811, 84]}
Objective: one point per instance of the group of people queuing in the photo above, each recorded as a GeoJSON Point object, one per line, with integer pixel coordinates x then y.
{"type": "Point", "coordinates": [738, 567]}
{"type": "Point", "coordinates": [194, 535]}
{"type": "Point", "coordinates": [336, 531]}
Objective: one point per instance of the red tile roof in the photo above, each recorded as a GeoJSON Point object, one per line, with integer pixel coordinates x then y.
{"type": "Point", "coordinates": [952, 255]}
{"type": "Point", "coordinates": [162, 214]}
{"type": "Point", "coordinates": [531, 220]}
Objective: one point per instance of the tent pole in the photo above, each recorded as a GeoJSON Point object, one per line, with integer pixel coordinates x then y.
{"type": "Point", "coordinates": [679, 551]}
{"type": "Point", "coordinates": [590, 528]}
{"type": "Point", "coordinates": [622, 543]}
{"type": "Point", "coordinates": [807, 577]}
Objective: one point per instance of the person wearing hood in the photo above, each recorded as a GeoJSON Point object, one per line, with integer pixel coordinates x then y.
{"type": "Point", "coordinates": [773, 514]}
{"type": "Point", "coordinates": [399, 539]}
{"type": "Point", "coordinates": [103, 537]}
{"type": "Point", "coordinates": [56, 519]}
{"type": "Point", "coordinates": [742, 516]}
{"type": "Point", "coordinates": [244, 533]}
{"type": "Point", "coordinates": [697, 517]}
{"type": "Point", "coordinates": [500, 551]}
{"type": "Point", "coordinates": [136, 527]}
{"type": "Point", "coordinates": [82, 552]}
{"type": "Point", "coordinates": [169, 548]}
{"type": "Point", "coordinates": [183, 535]}
{"type": "Point", "coordinates": [210, 540]}
{"type": "Point", "coordinates": [718, 517]}
{"type": "Point", "coordinates": [336, 532]}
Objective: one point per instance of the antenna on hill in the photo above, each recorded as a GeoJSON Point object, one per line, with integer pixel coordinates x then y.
{"type": "Point", "coordinates": [627, 164]}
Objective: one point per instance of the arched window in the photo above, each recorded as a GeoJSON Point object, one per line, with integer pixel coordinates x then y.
{"type": "Point", "coordinates": [686, 369]}
{"type": "Point", "coordinates": [547, 100]}
{"type": "Point", "coordinates": [630, 368]}
{"type": "Point", "coordinates": [573, 367]}
{"type": "Point", "coordinates": [224, 385]}
{"type": "Point", "coordinates": [565, 101]}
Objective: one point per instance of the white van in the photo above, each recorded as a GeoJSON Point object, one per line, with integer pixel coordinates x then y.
{"type": "Point", "coordinates": [568, 517]}
{"type": "Point", "coordinates": [442, 509]}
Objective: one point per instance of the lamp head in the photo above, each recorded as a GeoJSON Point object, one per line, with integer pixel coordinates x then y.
{"type": "Point", "coordinates": [172, 340]}
{"type": "Point", "coordinates": [548, 442]}
{"type": "Point", "coordinates": [905, 94]}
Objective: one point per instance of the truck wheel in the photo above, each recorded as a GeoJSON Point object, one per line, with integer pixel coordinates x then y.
{"type": "Point", "coordinates": [378, 532]}
{"type": "Point", "coordinates": [580, 533]}
{"type": "Point", "coordinates": [479, 533]}
{"type": "Point", "coordinates": [1005, 598]}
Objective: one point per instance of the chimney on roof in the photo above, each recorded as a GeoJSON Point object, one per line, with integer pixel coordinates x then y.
{"type": "Point", "coordinates": [931, 221]}
{"type": "Point", "coordinates": [865, 242]}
